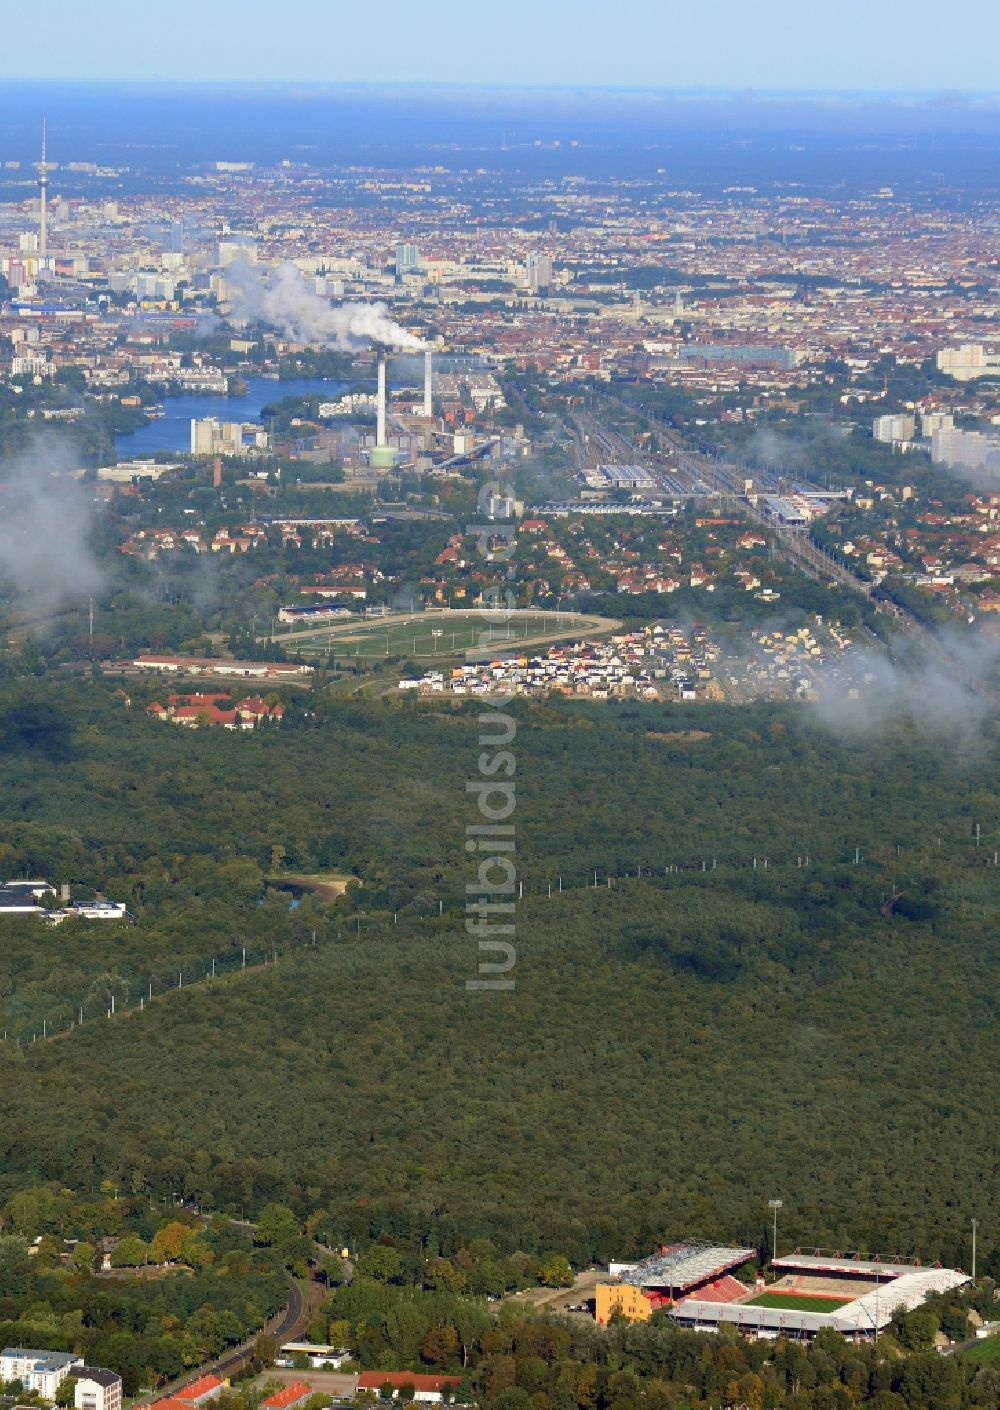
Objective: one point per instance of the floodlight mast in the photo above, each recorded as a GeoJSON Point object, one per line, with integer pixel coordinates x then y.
{"type": "Point", "coordinates": [774, 1205]}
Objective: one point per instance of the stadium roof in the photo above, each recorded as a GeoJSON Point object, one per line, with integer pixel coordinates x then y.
{"type": "Point", "coordinates": [685, 1265]}
{"type": "Point", "coordinates": [831, 1263]}
{"type": "Point", "coordinates": [748, 1317]}
{"type": "Point", "coordinates": [909, 1291]}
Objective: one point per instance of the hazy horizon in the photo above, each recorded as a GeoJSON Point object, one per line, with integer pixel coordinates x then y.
{"type": "Point", "coordinates": [884, 46]}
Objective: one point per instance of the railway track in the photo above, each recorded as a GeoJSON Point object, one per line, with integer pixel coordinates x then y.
{"type": "Point", "coordinates": [725, 480]}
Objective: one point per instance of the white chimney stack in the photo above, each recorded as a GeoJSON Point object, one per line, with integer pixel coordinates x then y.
{"type": "Point", "coordinates": [428, 384]}
{"type": "Point", "coordinates": [380, 412]}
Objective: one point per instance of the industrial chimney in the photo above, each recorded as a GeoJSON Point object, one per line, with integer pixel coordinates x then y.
{"type": "Point", "coordinates": [428, 384]}
{"type": "Point", "coordinates": [380, 409]}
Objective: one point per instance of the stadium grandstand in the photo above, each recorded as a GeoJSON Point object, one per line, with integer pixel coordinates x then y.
{"type": "Point", "coordinates": [676, 1271]}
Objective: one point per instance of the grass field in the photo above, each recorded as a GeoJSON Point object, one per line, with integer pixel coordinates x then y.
{"type": "Point", "coordinates": [793, 1303]}
{"type": "Point", "coordinates": [426, 636]}
{"type": "Point", "coordinates": [985, 1352]}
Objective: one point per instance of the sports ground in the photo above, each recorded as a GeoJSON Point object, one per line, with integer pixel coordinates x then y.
{"type": "Point", "coordinates": [441, 634]}
{"type": "Point", "coordinates": [793, 1302]}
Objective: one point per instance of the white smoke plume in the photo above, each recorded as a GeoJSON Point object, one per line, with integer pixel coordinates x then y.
{"type": "Point", "coordinates": [280, 296]}
{"type": "Point", "coordinates": [45, 516]}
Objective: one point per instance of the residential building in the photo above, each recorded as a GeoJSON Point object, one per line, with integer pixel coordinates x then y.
{"type": "Point", "coordinates": [97, 1389]}
{"type": "Point", "coordinates": [891, 429]}
{"type": "Point", "coordinates": [539, 267]}
{"type": "Point", "coordinates": [288, 1397]}
{"type": "Point", "coordinates": [426, 1389]}
{"type": "Point", "coordinates": [40, 1371]}
{"type": "Point", "coordinates": [968, 362]}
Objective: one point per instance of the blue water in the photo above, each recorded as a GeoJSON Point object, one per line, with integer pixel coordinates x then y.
{"type": "Point", "coordinates": [173, 431]}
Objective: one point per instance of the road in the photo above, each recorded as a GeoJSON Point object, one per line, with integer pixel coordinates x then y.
{"type": "Point", "coordinates": [288, 1324]}
{"type": "Point", "coordinates": [285, 1325]}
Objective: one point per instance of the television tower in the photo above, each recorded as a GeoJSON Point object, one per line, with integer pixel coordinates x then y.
{"type": "Point", "coordinates": [43, 196]}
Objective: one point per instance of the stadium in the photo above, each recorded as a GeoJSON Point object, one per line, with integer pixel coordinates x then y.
{"type": "Point", "coordinates": [848, 1293]}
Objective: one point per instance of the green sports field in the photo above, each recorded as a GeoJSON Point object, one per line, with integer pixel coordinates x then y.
{"type": "Point", "coordinates": [793, 1303]}
{"type": "Point", "coordinates": [985, 1352]}
{"type": "Point", "coordinates": [430, 635]}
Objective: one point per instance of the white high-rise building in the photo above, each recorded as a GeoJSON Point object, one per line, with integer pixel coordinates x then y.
{"type": "Point", "coordinates": [931, 421]}
{"type": "Point", "coordinates": [232, 250]}
{"type": "Point", "coordinates": [539, 271]}
{"type": "Point", "coordinates": [966, 450]}
{"type": "Point", "coordinates": [968, 362]}
{"type": "Point", "coordinates": [894, 429]}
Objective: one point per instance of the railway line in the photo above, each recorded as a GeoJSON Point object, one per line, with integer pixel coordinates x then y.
{"type": "Point", "coordinates": [712, 475]}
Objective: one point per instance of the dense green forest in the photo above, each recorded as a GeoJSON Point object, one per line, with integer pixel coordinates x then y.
{"type": "Point", "coordinates": [680, 1046]}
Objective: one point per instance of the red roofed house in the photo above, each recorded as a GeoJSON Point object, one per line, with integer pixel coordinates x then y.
{"type": "Point", "coordinates": [215, 708]}
{"type": "Point", "coordinates": [199, 1392]}
{"type": "Point", "coordinates": [195, 715]}
{"type": "Point", "coordinates": [425, 1388]}
{"type": "Point", "coordinates": [287, 1397]}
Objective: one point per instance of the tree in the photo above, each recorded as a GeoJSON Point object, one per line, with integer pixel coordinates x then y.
{"type": "Point", "coordinates": [382, 1263]}
{"type": "Point", "coordinates": [917, 1329]}
{"type": "Point", "coordinates": [129, 1252]}
{"type": "Point", "coordinates": [442, 1275]}
{"type": "Point", "coordinates": [196, 1251]}
{"type": "Point", "coordinates": [440, 1346]}
{"type": "Point", "coordinates": [277, 1225]}
{"type": "Point", "coordinates": [82, 1259]}
{"type": "Point", "coordinates": [265, 1350]}
{"type": "Point", "coordinates": [66, 1391]}
{"type": "Point", "coordinates": [555, 1271]}
{"type": "Point", "coordinates": [168, 1241]}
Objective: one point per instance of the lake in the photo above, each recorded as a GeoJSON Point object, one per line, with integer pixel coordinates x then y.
{"type": "Point", "coordinates": [173, 430]}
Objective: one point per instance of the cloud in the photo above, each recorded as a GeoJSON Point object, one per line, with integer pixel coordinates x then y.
{"type": "Point", "coordinates": [866, 691]}
{"type": "Point", "coordinates": [45, 560]}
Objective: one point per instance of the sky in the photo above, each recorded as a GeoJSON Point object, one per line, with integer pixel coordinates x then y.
{"type": "Point", "coordinates": [885, 46]}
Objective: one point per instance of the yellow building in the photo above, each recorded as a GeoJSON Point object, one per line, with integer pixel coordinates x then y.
{"type": "Point", "coordinates": [630, 1301]}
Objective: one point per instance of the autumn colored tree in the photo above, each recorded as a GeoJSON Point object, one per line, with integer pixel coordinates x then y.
{"type": "Point", "coordinates": [440, 1346]}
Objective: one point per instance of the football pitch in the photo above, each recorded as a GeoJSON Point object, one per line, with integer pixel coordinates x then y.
{"type": "Point", "coordinates": [790, 1302]}
{"type": "Point", "coordinates": [430, 635]}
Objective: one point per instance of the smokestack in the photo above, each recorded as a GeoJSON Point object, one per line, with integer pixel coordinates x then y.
{"type": "Point", "coordinates": [428, 385]}
{"type": "Point", "coordinates": [43, 196]}
{"type": "Point", "coordinates": [217, 472]}
{"type": "Point", "coordinates": [380, 412]}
